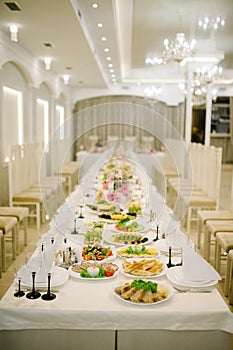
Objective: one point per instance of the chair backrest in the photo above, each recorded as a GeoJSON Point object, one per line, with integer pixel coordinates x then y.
{"type": "Point", "coordinates": [24, 166]}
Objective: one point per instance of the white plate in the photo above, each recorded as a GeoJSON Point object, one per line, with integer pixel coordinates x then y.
{"type": "Point", "coordinates": [59, 276]}
{"type": "Point", "coordinates": [175, 276]}
{"type": "Point", "coordinates": [77, 275]}
{"type": "Point", "coordinates": [138, 256]}
{"type": "Point", "coordinates": [163, 284]}
{"type": "Point", "coordinates": [160, 274]}
{"type": "Point", "coordinates": [107, 236]}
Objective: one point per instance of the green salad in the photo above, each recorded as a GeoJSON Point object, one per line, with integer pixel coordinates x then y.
{"type": "Point", "coordinates": [145, 285]}
{"type": "Point", "coordinates": [85, 274]}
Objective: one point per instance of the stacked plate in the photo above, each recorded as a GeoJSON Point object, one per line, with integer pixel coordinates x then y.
{"type": "Point", "coordinates": [176, 276]}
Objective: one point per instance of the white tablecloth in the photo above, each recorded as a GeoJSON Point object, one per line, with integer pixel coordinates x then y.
{"type": "Point", "coordinates": [91, 305]}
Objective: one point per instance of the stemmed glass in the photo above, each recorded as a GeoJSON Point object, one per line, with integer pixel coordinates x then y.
{"type": "Point", "coordinates": [33, 265]}
{"type": "Point", "coordinates": [18, 275]}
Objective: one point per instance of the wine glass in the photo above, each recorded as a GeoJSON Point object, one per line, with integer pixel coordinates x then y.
{"type": "Point", "coordinates": [33, 264]}
{"type": "Point", "coordinates": [18, 275]}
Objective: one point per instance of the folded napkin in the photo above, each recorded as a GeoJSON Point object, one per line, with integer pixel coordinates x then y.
{"type": "Point", "coordinates": [195, 268]}
{"type": "Point", "coordinates": [47, 264]}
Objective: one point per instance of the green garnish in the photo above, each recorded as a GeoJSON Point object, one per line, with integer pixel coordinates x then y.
{"type": "Point", "coordinates": [102, 202]}
{"type": "Point", "coordinates": [85, 274]}
{"type": "Point", "coordinates": [123, 222]}
{"type": "Point", "coordinates": [136, 251]}
{"type": "Point", "coordinates": [145, 285]}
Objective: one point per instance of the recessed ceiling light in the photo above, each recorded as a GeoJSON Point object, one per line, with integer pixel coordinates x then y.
{"type": "Point", "coordinates": [113, 75]}
{"type": "Point", "coordinates": [103, 38]}
{"type": "Point", "coordinates": [111, 70]}
{"type": "Point", "coordinates": [100, 25]}
{"type": "Point", "coordinates": [110, 65]}
{"type": "Point", "coordinates": [106, 49]}
{"type": "Point", "coordinates": [94, 5]}
{"type": "Point", "coordinates": [108, 58]}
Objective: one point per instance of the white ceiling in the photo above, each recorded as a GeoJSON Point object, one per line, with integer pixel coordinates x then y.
{"type": "Point", "coordinates": [135, 29]}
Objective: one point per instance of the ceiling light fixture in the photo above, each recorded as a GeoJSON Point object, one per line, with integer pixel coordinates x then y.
{"type": "Point", "coordinates": [94, 5]}
{"type": "Point", "coordinates": [106, 49]}
{"type": "Point", "coordinates": [152, 91]}
{"type": "Point", "coordinates": [14, 32]}
{"type": "Point", "coordinates": [47, 62]}
{"type": "Point", "coordinates": [66, 78]}
{"type": "Point", "coordinates": [110, 65]}
{"type": "Point", "coordinates": [178, 49]}
{"type": "Point", "coordinates": [100, 25]}
{"type": "Point", "coordinates": [103, 38]}
{"type": "Point", "coordinates": [202, 78]}
{"type": "Point", "coordinates": [108, 58]}
{"type": "Point", "coordinates": [211, 22]}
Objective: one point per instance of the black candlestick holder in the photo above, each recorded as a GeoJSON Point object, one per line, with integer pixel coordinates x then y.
{"type": "Point", "coordinates": [33, 294]}
{"type": "Point", "coordinates": [75, 232]}
{"type": "Point", "coordinates": [157, 234]}
{"type": "Point", "coordinates": [49, 295]}
{"type": "Point", "coordinates": [20, 293]}
{"type": "Point", "coordinates": [170, 258]}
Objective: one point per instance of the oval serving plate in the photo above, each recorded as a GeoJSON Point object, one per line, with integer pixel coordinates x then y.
{"type": "Point", "coordinates": [162, 286]}
{"type": "Point", "coordinates": [76, 275]}
{"type": "Point", "coordinates": [136, 251]}
{"type": "Point", "coordinates": [134, 268]}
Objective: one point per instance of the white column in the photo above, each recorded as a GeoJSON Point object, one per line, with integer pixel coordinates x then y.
{"type": "Point", "coordinates": [208, 115]}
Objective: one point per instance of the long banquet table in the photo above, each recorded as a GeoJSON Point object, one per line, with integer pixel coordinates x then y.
{"type": "Point", "coordinates": [86, 315]}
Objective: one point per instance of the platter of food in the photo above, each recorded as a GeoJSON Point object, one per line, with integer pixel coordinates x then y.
{"type": "Point", "coordinates": [98, 253]}
{"type": "Point", "coordinates": [115, 217]}
{"type": "Point", "coordinates": [128, 225]}
{"type": "Point", "coordinates": [101, 206]}
{"type": "Point", "coordinates": [137, 251]}
{"type": "Point", "coordinates": [143, 292]}
{"type": "Point", "coordinates": [143, 268]}
{"type": "Point", "coordinates": [94, 271]}
{"type": "Point", "coordinates": [120, 239]}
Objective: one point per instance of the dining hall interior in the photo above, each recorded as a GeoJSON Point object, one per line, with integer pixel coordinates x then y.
{"type": "Point", "coordinates": [116, 174]}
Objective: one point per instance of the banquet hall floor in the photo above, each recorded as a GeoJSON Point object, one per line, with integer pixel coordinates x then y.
{"type": "Point", "coordinates": [34, 234]}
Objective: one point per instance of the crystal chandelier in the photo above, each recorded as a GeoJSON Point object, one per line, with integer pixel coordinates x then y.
{"type": "Point", "coordinates": [201, 79]}
{"type": "Point", "coordinates": [211, 22]}
{"type": "Point", "coordinates": [152, 91]}
{"type": "Point", "coordinates": [179, 49]}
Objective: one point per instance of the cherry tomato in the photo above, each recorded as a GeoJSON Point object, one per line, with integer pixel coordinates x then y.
{"type": "Point", "coordinates": [109, 273]}
{"type": "Point", "coordinates": [109, 252]}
